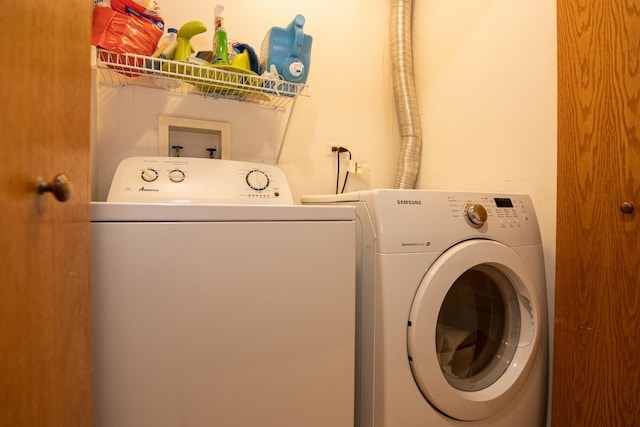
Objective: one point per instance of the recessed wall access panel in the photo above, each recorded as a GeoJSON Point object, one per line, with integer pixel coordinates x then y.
{"type": "Point", "coordinates": [184, 137]}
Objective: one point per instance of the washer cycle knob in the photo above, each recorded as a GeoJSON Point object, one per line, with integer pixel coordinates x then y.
{"type": "Point", "coordinates": [149, 175]}
{"type": "Point", "coordinates": [476, 214]}
{"type": "Point", "coordinates": [258, 180]}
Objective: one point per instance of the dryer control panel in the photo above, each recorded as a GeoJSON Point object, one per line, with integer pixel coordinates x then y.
{"type": "Point", "coordinates": [433, 220]}
{"type": "Point", "coordinates": [187, 180]}
{"type": "Point", "coordinates": [504, 212]}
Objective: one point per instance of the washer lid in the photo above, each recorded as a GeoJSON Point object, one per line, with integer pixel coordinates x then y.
{"type": "Point", "coordinates": [474, 329]}
{"type": "Point", "coordinates": [153, 212]}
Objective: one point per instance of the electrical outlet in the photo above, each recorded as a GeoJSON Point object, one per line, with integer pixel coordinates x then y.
{"type": "Point", "coordinates": [360, 168]}
{"type": "Point", "coordinates": [332, 148]}
{"type": "Point", "coordinates": [182, 137]}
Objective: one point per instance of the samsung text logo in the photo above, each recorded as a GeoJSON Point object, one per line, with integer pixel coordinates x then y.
{"type": "Point", "coordinates": [409, 202]}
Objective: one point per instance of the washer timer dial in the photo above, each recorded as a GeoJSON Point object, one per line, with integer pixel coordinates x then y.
{"type": "Point", "coordinates": [258, 180]}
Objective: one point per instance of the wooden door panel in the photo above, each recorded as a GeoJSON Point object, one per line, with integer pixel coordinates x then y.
{"type": "Point", "coordinates": [45, 367]}
{"type": "Point", "coordinates": [597, 328]}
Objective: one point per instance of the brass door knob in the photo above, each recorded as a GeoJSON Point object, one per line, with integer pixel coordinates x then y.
{"type": "Point", "coordinates": [60, 187]}
{"type": "Point", "coordinates": [627, 207]}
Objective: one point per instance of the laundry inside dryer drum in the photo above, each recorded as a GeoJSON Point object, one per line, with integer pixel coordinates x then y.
{"type": "Point", "coordinates": [478, 328]}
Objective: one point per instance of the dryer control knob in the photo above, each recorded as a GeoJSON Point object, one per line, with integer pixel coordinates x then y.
{"type": "Point", "coordinates": [476, 214]}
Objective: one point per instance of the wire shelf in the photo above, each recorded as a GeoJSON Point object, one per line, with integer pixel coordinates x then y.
{"type": "Point", "coordinates": [190, 78]}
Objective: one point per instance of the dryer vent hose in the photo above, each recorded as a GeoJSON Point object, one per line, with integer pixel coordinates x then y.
{"type": "Point", "coordinates": [404, 90]}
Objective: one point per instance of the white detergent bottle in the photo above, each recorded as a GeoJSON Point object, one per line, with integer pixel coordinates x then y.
{"type": "Point", "coordinates": [167, 45]}
{"type": "Point", "coordinates": [170, 50]}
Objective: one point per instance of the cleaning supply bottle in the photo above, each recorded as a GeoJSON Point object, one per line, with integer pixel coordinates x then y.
{"type": "Point", "coordinates": [165, 50]}
{"type": "Point", "coordinates": [220, 50]}
{"type": "Point", "coordinates": [289, 49]}
{"type": "Point", "coordinates": [185, 33]}
{"type": "Point", "coordinates": [169, 50]}
{"type": "Point", "coordinates": [167, 45]}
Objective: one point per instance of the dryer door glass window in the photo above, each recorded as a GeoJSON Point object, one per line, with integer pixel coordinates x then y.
{"type": "Point", "coordinates": [478, 328]}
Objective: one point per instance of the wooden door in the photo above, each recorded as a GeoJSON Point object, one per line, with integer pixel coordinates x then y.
{"type": "Point", "coordinates": [596, 379]}
{"type": "Point", "coordinates": [45, 367]}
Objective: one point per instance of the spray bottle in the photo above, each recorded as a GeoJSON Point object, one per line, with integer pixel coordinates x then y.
{"type": "Point", "coordinates": [220, 50]}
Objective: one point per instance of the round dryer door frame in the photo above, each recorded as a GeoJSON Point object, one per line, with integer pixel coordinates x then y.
{"type": "Point", "coordinates": [423, 319]}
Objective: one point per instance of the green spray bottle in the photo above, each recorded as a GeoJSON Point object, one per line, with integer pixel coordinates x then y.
{"type": "Point", "coordinates": [220, 52]}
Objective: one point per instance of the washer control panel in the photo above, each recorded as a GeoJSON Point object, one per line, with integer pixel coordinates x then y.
{"type": "Point", "coordinates": [198, 181]}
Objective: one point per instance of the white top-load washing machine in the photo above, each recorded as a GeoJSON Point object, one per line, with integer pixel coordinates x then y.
{"type": "Point", "coordinates": [452, 315]}
{"type": "Point", "coordinates": [217, 302]}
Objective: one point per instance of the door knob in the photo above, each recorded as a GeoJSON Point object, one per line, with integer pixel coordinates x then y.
{"type": "Point", "coordinates": [627, 207]}
{"type": "Point", "coordinates": [60, 187]}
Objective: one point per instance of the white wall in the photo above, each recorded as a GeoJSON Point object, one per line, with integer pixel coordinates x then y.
{"type": "Point", "coordinates": [486, 75]}
{"type": "Point", "coordinates": [485, 72]}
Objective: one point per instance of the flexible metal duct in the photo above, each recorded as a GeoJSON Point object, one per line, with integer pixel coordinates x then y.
{"type": "Point", "coordinates": [404, 91]}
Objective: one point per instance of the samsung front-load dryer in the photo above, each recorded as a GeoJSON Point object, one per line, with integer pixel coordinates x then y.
{"type": "Point", "coordinates": [452, 316]}
{"type": "Point", "coordinates": [218, 302]}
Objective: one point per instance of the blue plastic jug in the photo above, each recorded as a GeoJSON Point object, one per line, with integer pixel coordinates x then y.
{"type": "Point", "coordinates": [289, 49]}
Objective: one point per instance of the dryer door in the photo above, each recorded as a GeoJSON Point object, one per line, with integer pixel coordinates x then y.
{"type": "Point", "coordinates": [474, 329]}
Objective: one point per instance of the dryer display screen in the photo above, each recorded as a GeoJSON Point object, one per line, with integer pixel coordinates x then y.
{"type": "Point", "coordinates": [503, 203]}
